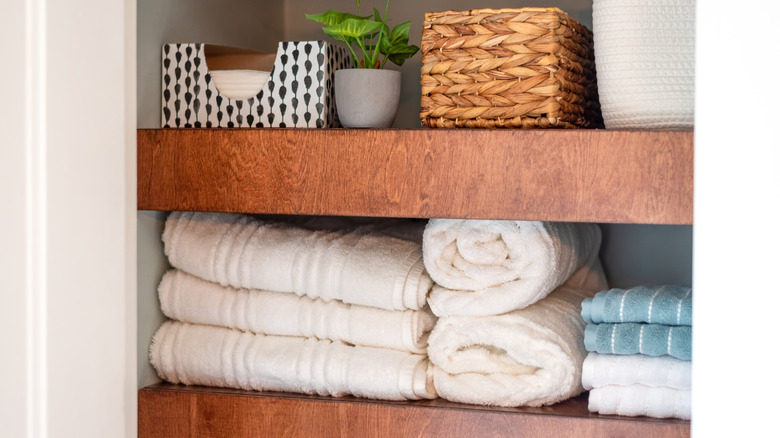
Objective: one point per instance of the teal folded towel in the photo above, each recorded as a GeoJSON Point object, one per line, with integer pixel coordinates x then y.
{"type": "Point", "coordinates": [633, 338]}
{"type": "Point", "coordinates": [668, 305]}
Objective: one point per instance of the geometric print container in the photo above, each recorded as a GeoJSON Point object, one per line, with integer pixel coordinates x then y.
{"type": "Point", "coordinates": [298, 93]}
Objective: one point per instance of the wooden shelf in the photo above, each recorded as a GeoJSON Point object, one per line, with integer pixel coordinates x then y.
{"type": "Point", "coordinates": [558, 175]}
{"type": "Point", "coordinates": [171, 411]}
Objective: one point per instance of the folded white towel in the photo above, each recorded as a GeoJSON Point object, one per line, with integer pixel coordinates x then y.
{"type": "Point", "coordinates": [239, 84]}
{"type": "Point", "coordinates": [636, 400]}
{"type": "Point", "coordinates": [216, 356]}
{"type": "Point", "coordinates": [187, 298]}
{"type": "Point", "coordinates": [529, 357]}
{"type": "Point", "coordinates": [485, 267]}
{"type": "Point", "coordinates": [611, 369]}
{"type": "Point", "coordinates": [401, 228]}
{"type": "Point", "coordinates": [241, 251]}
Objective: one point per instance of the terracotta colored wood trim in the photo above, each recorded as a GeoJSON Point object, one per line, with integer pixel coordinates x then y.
{"type": "Point", "coordinates": [559, 175]}
{"type": "Point", "coordinates": [177, 411]}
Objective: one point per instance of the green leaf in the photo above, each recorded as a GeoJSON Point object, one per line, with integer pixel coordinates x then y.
{"type": "Point", "coordinates": [398, 36]}
{"type": "Point", "coordinates": [353, 28]}
{"type": "Point", "coordinates": [332, 17]}
{"type": "Point", "coordinates": [342, 38]}
{"type": "Point", "coordinates": [399, 53]}
{"type": "Point", "coordinates": [400, 33]}
{"type": "Point", "coordinates": [384, 31]}
{"type": "Point", "coordinates": [368, 37]}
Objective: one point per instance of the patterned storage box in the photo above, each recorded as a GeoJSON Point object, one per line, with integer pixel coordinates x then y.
{"type": "Point", "coordinates": [298, 93]}
{"type": "Point", "coordinates": [507, 68]}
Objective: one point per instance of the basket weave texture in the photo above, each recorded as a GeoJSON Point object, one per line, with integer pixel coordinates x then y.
{"type": "Point", "coordinates": [507, 68]}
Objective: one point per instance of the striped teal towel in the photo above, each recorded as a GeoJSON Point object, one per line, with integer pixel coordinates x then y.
{"type": "Point", "coordinates": [668, 305]}
{"type": "Point", "coordinates": [633, 338]}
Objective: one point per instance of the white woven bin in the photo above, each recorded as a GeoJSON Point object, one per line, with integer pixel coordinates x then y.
{"type": "Point", "coordinates": [645, 59]}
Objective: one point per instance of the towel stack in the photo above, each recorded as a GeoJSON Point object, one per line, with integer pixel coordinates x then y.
{"type": "Point", "coordinates": [280, 306]}
{"type": "Point", "coordinates": [508, 295]}
{"type": "Point", "coordinates": [640, 344]}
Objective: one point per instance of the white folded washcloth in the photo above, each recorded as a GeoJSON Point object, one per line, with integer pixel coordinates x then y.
{"type": "Point", "coordinates": [241, 251]}
{"type": "Point", "coordinates": [489, 267]}
{"type": "Point", "coordinates": [611, 369]}
{"type": "Point", "coordinates": [239, 84]}
{"type": "Point", "coordinates": [529, 357]}
{"type": "Point", "coordinates": [216, 356]}
{"type": "Point", "coordinates": [187, 298]}
{"type": "Point", "coordinates": [637, 400]}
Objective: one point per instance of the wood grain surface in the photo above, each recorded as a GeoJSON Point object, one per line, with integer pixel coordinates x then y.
{"type": "Point", "coordinates": [173, 411]}
{"type": "Point", "coordinates": [558, 175]}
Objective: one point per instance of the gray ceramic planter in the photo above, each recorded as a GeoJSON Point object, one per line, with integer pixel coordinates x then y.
{"type": "Point", "coordinates": [367, 98]}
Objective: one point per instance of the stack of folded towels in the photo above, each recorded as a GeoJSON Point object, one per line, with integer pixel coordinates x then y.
{"type": "Point", "coordinates": [508, 295]}
{"type": "Point", "coordinates": [279, 306]}
{"type": "Point", "coordinates": [640, 344]}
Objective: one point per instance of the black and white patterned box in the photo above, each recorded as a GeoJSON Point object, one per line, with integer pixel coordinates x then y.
{"type": "Point", "coordinates": [299, 91]}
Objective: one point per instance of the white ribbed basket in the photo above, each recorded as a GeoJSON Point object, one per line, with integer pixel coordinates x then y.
{"type": "Point", "coordinates": [645, 58]}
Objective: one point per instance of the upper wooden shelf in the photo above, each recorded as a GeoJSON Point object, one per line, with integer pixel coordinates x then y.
{"type": "Point", "coordinates": [557, 175]}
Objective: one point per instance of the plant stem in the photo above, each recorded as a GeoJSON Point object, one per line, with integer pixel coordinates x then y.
{"type": "Point", "coordinates": [354, 55]}
{"type": "Point", "coordinates": [365, 54]}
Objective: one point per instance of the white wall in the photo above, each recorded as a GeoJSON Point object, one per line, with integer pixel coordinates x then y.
{"type": "Point", "coordinates": [736, 193]}
{"type": "Point", "coordinates": [15, 286]}
{"type": "Point", "coordinates": [68, 223]}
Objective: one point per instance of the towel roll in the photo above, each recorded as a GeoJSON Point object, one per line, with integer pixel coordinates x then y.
{"type": "Point", "coordinates": [667, 304]}
{"type": "Point", "coordinates": [216, 356]}
{"type": "Point", "coordinates": [637, 400]}
{"type": "Point", "coordinates": [636, 369]}
{"type": "Point", "coordinates": [187, 298]}
{"type": "Point", "coordinates": [633, 338]}
{"type": "Point", "coordinates": [243, 252]}
{"type": "Point", "coordinates": [489, 267]}
{"type": "Point", "coordinates": [529, 357]}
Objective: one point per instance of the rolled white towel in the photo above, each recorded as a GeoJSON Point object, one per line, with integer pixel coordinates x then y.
{"type": "Point", "coordinates": [187, 298]}
{"type": "Point", "coordinates": [611, 369]}
{"type": "Point", "coordinates": [216, 356]}
{"type": "Point", "coordinates": [637, 400]}
{"type": "Point", "coordinates": [489, 267]}
{"type": "Point", "coordinates": [529, 357]}
{"type": "Point", "coordinates": [241, 251]}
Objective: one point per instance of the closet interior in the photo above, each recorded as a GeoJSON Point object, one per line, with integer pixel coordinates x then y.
{"type": "Point", "coordinates": [636, 184]}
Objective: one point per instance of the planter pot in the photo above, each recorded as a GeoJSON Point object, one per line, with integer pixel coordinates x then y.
{"type": "Point", "coordinates": [367, 98]}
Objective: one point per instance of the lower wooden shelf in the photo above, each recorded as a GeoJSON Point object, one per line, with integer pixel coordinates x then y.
{"type": "Point", "coordinates": [166, 410]}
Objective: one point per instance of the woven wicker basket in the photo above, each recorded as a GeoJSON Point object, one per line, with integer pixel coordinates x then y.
{"type": "Point", "coordinates": [507, 68]}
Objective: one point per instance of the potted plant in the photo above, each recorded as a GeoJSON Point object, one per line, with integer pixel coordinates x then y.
{"type": "Point", "coordinates": [367, 95]}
